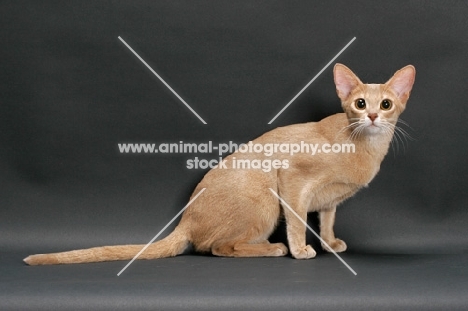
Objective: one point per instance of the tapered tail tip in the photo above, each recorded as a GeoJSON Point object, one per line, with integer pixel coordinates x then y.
{"type": "Point", "coordinates": [40, 259]}
{"type": "Point", "coordinates": [29, 260]}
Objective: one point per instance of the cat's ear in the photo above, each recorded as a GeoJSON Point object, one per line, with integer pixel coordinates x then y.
{"type": "Point", "coordinates": [402, 82]}
{"type": "Point", "coordinates": [345, 80]}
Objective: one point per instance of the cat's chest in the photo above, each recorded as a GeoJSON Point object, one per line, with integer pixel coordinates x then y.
{"type": "Point", "coordinates": [359, 176]}
{"type": "Point", "coordinates": [332, 191]}
{"type": "Point", "coordinates": [328, 195]}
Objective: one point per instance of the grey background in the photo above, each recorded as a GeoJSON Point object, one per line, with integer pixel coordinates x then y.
{"type": "Point", "coordinates": [71, 91]}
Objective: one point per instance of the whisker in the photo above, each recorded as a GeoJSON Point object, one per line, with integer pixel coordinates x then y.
{"type": "Point", "coordinates": [358, 130]}
{"type": "Point", "coordinates": [355, 122]}
{"type": "Point", "coordinates": [389, 130]}
{"type": "Point", "coordinates": [404, 123]}
{"type": "Point", "coordinates": [396, 142]}
{"type": "Point", "coordinates": [399, 135]}
{"type": "Point", "coordinates": [405, 133]}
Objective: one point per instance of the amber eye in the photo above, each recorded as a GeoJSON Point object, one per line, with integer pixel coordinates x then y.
{"type": "Point", "coordinates": [386, 104]}
{"type": "Point", "coordinates": [360, 103]}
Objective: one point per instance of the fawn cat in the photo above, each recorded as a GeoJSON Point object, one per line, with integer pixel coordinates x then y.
{"type": "Point", "coordinates": [237, 212]}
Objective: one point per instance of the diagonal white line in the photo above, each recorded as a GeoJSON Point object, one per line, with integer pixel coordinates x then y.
{"type": "Point", "coordinates": [313, 79]}
{"type": "Point", "coordinates": [162, 80]}
{"type": "Point", "coordinates": [160, 232]}
{"type": "Point", "coordinates": [312, 230]}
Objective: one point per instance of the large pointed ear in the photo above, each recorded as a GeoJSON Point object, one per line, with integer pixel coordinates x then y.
{"type": "Point", "coordinates": [402, 82]}
{"type": "Point", "coordinates": [345, 81]}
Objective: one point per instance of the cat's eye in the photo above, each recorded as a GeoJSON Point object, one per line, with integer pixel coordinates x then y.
{"type": "Point", "coordinates": [386, 104]}
{"type": "Point", "coordinates": [360, 104]}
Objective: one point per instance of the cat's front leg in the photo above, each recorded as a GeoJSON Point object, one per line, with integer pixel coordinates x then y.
{"type": "Point", "coordinates": [327, 221]}
{"type": "Point", "coordinates": [296, 229]}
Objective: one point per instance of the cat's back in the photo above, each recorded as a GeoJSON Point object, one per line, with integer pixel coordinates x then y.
{"type": "Point", "coordinates": [326, 129]}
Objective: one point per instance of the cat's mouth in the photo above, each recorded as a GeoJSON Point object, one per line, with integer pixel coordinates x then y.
{"type": "Point", "coordinates": [373, 128]}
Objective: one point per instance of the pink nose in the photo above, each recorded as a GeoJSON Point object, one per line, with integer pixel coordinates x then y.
{"type": "Point", "coordinates": [372, 116]}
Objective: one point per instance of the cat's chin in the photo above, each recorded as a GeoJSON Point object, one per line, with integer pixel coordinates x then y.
{"type": "Point", "coordinates": [374, 129]}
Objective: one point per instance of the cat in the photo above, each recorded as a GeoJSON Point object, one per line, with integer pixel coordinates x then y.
{"type": "Point", "coordinates": [237, 212]}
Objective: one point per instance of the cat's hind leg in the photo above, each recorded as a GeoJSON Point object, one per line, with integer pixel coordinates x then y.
{"type": "Point", "coordinates": [245, 249]}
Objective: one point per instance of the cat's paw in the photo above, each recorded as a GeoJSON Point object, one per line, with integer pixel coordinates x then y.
{"type": "Point", "coordinates": [282, 249]}
{"type": "Point", "coordinates": [306, 252]}
{"type": "Point", "coordinates": [337, 245]}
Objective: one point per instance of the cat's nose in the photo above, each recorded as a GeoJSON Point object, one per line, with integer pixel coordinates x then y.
{"type": "Point", "coordinates": [372, 116]}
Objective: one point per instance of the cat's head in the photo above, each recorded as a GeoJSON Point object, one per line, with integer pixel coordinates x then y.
{"type": "Point", "coordinates": [373, 108]}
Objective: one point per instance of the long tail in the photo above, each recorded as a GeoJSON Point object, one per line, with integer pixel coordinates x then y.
{"type": "Point", "coordinates": [173, 245]}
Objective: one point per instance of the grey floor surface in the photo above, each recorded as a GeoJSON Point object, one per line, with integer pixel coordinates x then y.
{"type": "Point", "coordinates": [192, 282]}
